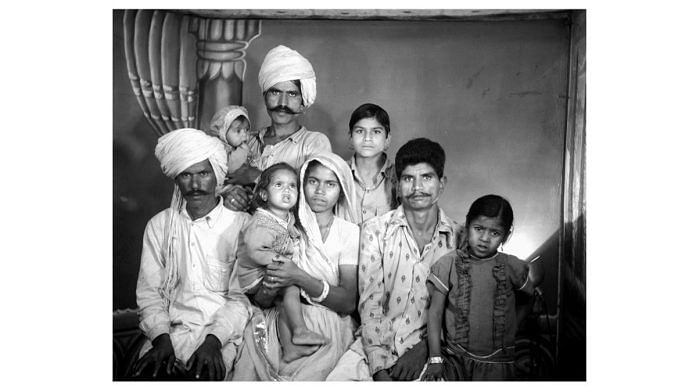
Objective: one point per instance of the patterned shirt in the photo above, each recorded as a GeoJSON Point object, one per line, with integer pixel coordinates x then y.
{"type": "Point", "coordinates": [375, 200]}
{"type": "Point", "coordinates": [391, 281]}
{"type": "Point", "coordinates": [293, 150]}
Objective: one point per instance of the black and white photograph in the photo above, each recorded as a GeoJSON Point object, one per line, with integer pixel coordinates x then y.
{"type": "Point", "coordinates": [347, 191]}
{"type": "Point", "coordinates": [349, 194]}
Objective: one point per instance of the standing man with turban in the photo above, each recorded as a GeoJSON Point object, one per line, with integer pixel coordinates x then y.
{"type": "Point", "coordinates": [187, 311]}
{"type": "Point", "coordinates": [289, 87]}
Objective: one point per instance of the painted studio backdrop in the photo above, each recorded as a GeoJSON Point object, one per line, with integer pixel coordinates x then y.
{"type": "Point", "coordinates": [499, 92]}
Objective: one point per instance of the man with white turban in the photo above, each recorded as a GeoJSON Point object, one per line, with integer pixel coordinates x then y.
{"type": "Point", "coordinates": [189, 311]}
{"type": "Point", "coordinates": [289, 87]}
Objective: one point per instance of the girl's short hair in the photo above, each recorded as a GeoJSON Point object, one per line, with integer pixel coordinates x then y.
{"type": "Point", "coordinates": [264, 180]}
{"type": "Point", "coordinates": [492, 206]}
{"type": "Point", "coordinates": [369, 110]}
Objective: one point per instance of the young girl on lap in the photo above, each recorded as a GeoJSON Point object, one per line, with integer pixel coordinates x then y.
{"type": "Point", "coordinates": [271, 233]}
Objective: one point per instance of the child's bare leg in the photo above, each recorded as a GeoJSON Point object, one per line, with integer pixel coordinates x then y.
{"type": "Point", "coordinates": [291, 351]}
{"type": "Point", "coordinates": [300, 333]}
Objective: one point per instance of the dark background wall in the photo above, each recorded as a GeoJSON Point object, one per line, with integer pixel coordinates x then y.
{"type": "Point", "coordinates": [493, 93]}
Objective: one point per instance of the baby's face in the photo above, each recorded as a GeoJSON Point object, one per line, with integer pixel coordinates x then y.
{"type": "Point", "coordinates": [238, 132]}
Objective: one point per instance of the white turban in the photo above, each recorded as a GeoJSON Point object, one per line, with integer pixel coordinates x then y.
{"type": "Point", "coordinates": [223, 118]}
{"type": "Point", "coordinates": [177, 151]}
{"type": "Point", "coordinates": [180, 149]}
{"type": "Point", "coordinates": [283, 64]}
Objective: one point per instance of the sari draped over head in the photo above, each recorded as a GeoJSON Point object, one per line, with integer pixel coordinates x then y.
{"type": "Point", "coordinates": [260, 356]}
{"type": "Point", "coordinates": [313, 256]}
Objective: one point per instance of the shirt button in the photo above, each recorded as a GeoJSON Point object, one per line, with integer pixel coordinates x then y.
{"type": "Point", "coordinates": [364, 211]}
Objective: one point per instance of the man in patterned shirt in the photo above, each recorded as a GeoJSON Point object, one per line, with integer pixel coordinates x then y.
{"type": "Point", "coordinates": [396, 252]}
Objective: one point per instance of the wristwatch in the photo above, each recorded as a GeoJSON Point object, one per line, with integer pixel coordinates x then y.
{"type": "Point", "coordinates": [437, 359]}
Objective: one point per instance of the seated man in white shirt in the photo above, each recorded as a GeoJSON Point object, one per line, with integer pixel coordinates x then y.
{"type": "Point", "coordinates": [193, 321]}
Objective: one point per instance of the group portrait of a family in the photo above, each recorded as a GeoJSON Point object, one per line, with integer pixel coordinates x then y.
{"type": "Point", "coordinates": [282, 258]}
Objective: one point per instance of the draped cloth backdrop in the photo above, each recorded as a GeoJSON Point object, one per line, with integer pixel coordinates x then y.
{"type": "Point", "coordinates": [184, 67]}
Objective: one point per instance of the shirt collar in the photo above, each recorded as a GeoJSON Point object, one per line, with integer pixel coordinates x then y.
{"type": "Point", "coordinates": [383, 171]}
{"type": "Point", "coordinates": [445, 225]}
{"type": "Point", "coordinates": [387, 163]}
{"type": "Point", "coordinates": [211, 218]}
{"type": "Point", "coordinates": [295, 137]}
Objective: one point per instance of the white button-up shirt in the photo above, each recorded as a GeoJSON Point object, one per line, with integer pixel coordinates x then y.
{"type": "Point", "coordinates": [201, 304]}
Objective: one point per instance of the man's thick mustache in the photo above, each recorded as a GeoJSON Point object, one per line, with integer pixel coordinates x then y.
{"type": "Point", "coordinates": [281, 108]}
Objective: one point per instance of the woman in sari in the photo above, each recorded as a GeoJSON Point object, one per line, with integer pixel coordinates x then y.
{"type": "Point", "coordinates": [326, 273]}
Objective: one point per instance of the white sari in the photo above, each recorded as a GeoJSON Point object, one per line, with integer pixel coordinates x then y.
{"type": "Point", "coordinates": [260, 355]}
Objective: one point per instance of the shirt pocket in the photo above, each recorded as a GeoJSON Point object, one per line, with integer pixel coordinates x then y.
{"type": "Point", "coordinates": [218, 277]}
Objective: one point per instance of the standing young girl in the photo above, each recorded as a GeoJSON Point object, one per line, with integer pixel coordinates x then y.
{"type": "Point", "coordinates": [270, 233]}
{"type": "Point", "coordinates": [473, 287]}
{"type": "Point", "coordinates": [373, 173]}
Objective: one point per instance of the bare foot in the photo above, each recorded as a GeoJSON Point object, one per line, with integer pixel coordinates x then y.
{"type": "Point", "coordinates": [303, 336]}
{"type": "Point", "coordinates": [293, 352]}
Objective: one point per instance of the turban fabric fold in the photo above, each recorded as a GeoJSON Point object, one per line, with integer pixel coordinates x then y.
{"type": "Point", "coordinates": [177, 151]}
{"type": "Point", "coordinates": [283, 64]}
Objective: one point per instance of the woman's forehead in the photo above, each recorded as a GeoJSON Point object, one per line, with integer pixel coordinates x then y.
{"type": "Point", "coordinates": [322, 172]}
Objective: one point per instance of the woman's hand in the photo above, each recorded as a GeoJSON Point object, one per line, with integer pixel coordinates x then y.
{"type": "Point", "coordinates": [282, 273]}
